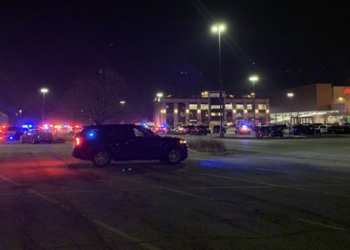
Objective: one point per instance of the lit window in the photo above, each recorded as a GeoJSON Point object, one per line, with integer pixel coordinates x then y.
{"type": "Point", "coordinates": [193, 106]}
{"type": "Point", "coordinates": [239, 106]}
{"type": "Point", "coordinates": [215, 106]}
{"type": "Point", "coordinates": [261, 106]}
{"type": "Point", "coordinates": [228, 106]}
{"type": "Point", "coordinates": [204, 106]}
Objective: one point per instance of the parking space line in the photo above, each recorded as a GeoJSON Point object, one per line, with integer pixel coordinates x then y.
{"type": "Point", "coordinates": [314, 175]}
{"type": "Point", "coordinates": [96, 222]}
{"type": "Point", "coordinates": [321, 224]}
{"type": "Point", "coordinates": [270, 184]}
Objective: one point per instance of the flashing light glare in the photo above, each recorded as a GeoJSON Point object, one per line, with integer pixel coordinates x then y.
{"type": "Point", "coordinates": [11, 138]}
{"type": "Point", "coordinates": [244, 127]}
{"type": "Point", "coordinates": [162, 125]}
{"type": "Point", "coordinates": [0, 137]}
{"type": "Point", "coordinates": [145, 124]}
{"type": "Point", "coordinates": [77, 141]}
{"type": "Point", "coordinates": [91, 134]}
{"type": "Point", "coordinates": [77, 126]}
{"type": "Point", "coordinates": [25, 126]}
{"type": "Point", "coordinates": [65, 126]}
{"type": "Point", "coordinates": [30, 126]}
{"type": "Point", "coordinates": [51, 125]}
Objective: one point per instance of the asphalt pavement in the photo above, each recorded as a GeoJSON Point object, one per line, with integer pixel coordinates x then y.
{"type": "Point", "coordinates": [261, 194]}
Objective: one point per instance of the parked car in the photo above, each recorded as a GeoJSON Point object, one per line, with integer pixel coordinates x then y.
{"type": "Point", "coordinates": [36, 136]}
{"type": "Point", "coordinates": [339, 130]}
{"type": "Point", "coordinates": [199, 130]}
{"type": "Point", "coordinates": [179, 129]}
{"type": "Point", "coordinates": [103, 143]}
{"type": "Point", "coordinates": [187, 129]}
{"type": "Point", "coordinates": [270, 131]}
{"type": "Point", "coordinates": [216, 129]}
{"type": "Point", "coordinates": [304, 129]}
{"type": "Point", "coordinates": [232, 129]}
{"type": "Point", "coordinates": [322, 128]}
{"type": "Point", "coordinates": [208, 130]}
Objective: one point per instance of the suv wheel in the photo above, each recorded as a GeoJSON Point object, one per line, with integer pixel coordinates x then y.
{"type": "Point", "coordinates": [101, 158]}
{"type": "Point", "coordinates": [173, 156]}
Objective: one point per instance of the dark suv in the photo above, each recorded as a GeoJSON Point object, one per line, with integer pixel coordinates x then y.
{"type": "Point", "coordinates": [216, 129]}
{"type": "Point", "coordinates": [199, 130]}
{"type": "Point", "coordinates": [103, 143]}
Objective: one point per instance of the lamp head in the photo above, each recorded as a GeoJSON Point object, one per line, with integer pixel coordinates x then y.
{"type": "Point", "coordinates": [44, 90]}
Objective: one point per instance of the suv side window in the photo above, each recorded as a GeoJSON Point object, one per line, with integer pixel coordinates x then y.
{"type": "Point", "coordinates": [138, 133]}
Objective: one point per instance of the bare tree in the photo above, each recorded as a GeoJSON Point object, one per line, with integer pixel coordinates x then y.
{"type": "Point", "coordinates": [96, 98]}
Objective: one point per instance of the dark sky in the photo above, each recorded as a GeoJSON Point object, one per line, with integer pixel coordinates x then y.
{"type": "Point", "coordinates": [168, 46]}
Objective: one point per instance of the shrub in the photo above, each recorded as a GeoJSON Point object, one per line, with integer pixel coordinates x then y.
{"type": "Point", "coordinates": [207, 145]}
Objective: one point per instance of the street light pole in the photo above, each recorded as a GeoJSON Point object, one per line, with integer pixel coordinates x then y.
{"type": "Point", "coordinates": [43, 90]}
{"type": "Point", "coordinates": [122, 103]}
{"type": "Point", "coordinates": [254, 79]}
{"type": "Point", "coordinates": [290, 96]}
{"type": "Point", "coordinates": [218, 29]}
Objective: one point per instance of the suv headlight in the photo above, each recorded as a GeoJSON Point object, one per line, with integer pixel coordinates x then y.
{"type": "Point", "coordinates": [183, 141]}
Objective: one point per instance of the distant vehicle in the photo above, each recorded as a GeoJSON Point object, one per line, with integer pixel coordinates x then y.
{"type": "Point", "coordinates": [12, 133]}
{"type": "Point", "coordinates": [216, 129]}
{"type": "Point", "coordinates": [322, 128]}
{"type": "Point", "coordinates": [305, 129]}
{"type": "Point", "coordinates": [208, 129]}
{"type": "Point", "coordinates": [36, 136]}
{"type": "Point", "coordinates": [232, 130]}
{"type": "Point", "coordinates": [339, 130]}
{"type": "Point", "coordinates": [179, 129]}
{"type": "Point", "coordinates": [244, 129]}
{"type": "Point", "coordinates": [103, 143]}
{"type": "Point", "coordinates": [187, 129]}
{"type": "Point", "coordinates": [199, 130]}
{"type": "Point", "coordinates": [270, 131]}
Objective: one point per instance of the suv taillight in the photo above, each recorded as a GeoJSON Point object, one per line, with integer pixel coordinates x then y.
{"type": "Point", "coordinates": [77, 141]}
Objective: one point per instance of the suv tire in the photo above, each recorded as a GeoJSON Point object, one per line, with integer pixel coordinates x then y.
{"type": "Point", "coordinates": [173, 156]}
{"type": "Point", "coordinates": [101, 158]}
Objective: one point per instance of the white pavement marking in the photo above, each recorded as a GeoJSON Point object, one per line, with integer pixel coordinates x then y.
{"type": "Point", "coordinates": [314, 175]}
{"type": "Point", "coordinates": [124, 235]}
{"type": "Point", "coordinates": [96, 222]}
{"type": "Point", "coordinates": [268, 184]}
{"type": "Point", "coordinates": [321, 224]}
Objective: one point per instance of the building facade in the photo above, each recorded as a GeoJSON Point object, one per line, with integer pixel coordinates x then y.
{"type": "Point", "coordinates": [205, 109]}
{"type": "Point", "coordinates": [315, 103]}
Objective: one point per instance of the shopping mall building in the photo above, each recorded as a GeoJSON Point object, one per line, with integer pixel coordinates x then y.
{"type": "Point", "coordinates": [205, 109]}
{"type": "Point", "coordinates": [315, 103]}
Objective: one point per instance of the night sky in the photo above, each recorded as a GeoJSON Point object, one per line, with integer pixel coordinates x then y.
{"type": "Point", "coordinates": [168, 46]}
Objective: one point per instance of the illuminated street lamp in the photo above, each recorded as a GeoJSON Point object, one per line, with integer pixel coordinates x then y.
{"type": "Point", "coordinates": [253, 79]}
{"type": "Point", "coordinates": [218, 29]}
{"type": "Point", "coordinates": [122, 103]}
{"type": "Point", "coordinates": [20, 112]}
{"type": "Point", "coordinates": [159, 95]}
{"type": "Point", "coordinates": [122, 116]}
{"type": "Point", "coordinates": [44, 91]}
{"type": "Point", "coordinates": [290, 96]}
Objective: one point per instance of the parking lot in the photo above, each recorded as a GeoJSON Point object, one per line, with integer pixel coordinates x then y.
{"type": "Point", "coordinates": [261, 194]}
